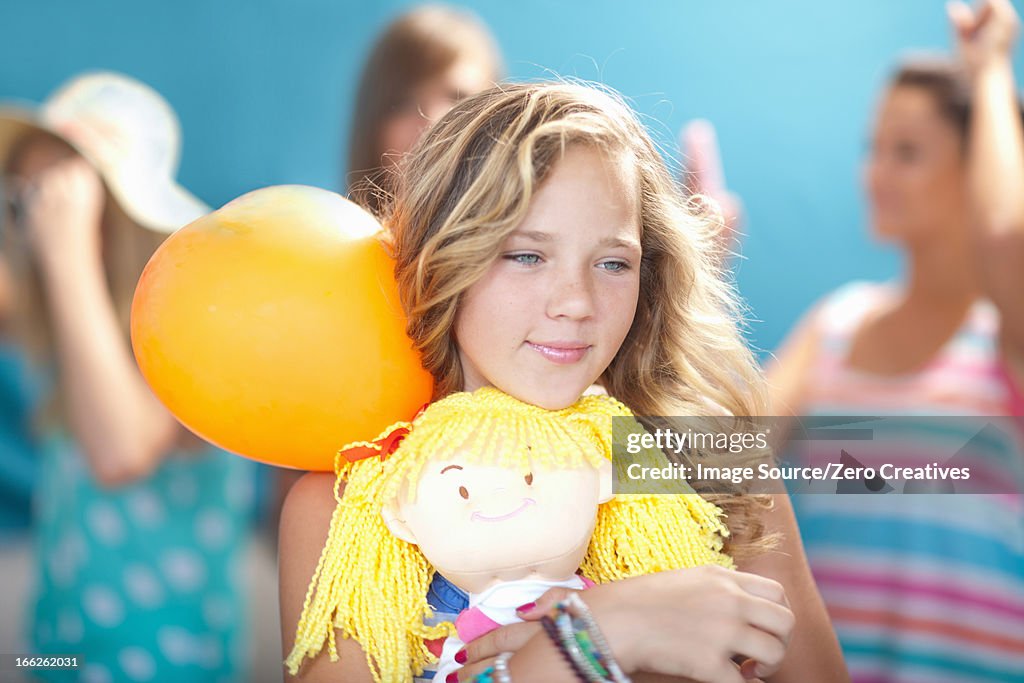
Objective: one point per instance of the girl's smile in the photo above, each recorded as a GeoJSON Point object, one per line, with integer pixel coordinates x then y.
{"type": "Point", "coordinates": [562, 353]}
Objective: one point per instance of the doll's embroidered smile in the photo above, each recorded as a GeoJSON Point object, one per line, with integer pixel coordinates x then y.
{"type": "Point", "coordinates": [527, 502]}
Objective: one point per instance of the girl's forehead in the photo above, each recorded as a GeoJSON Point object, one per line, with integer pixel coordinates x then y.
{"type": "Point", "coordinates": [598, 188]}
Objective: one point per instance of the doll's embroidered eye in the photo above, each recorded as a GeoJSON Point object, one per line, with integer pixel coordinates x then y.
{"type": "Point", "coordinates": [529, 479]}
{"type": "Point", "coordinates": [464, 492]}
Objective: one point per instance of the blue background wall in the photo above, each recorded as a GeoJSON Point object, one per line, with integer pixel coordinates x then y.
{"type": "Point", "coordinates": [264, 90]}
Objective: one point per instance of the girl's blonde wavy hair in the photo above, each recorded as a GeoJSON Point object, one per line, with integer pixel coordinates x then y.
{"type": "Point", "coordinates": [373, 586]}
{"type": "Point", "coordinates": [469, 183]}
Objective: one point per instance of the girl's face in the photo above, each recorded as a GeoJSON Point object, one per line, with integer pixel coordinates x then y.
{"type": "Point", "coordinates": [32, 164]}
{"type": "Point", "coordinates": [555, 306]}
{"type": "Point", "coordinates": [914, 174]}
{"type": "Point", "coordinates": [429, 102]}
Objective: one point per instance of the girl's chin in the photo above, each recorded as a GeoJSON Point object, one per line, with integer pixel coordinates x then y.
{"type": "Point", "coordinates": [556, 399]}
{"type": "Point", "coordinates": [551, 390]}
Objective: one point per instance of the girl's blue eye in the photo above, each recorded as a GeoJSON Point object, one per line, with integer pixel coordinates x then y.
{"type": "Point", "coordinates": [524, 259]}
{"type": "Point", "coordinates": [615, 266]}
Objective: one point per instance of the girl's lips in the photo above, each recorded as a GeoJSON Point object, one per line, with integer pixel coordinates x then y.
{"type": "Point", "coordinates": [560, 354]}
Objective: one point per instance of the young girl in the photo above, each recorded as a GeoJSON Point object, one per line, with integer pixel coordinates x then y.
{"type": "Point", "coordinates": [422, 63]}
{"type": "Point", "coordinates": [140, 528]}
{"type": "Point", "coordinates": [542, 248]}
{"type": "Point", "coordinates": [923, 587]}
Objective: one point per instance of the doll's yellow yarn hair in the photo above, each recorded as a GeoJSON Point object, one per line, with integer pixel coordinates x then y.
{"type": "Point", "coordinates": [372, 586]}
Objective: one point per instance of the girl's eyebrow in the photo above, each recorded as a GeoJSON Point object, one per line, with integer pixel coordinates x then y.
{"type": "Point", "coordinates": [619, 242]}
{"type": "Point", "coordinates": [451, 467]}
{"type": "Point", "coordinates": [541, 236]}
{"type": "Point", "coordinates": [535, 235]}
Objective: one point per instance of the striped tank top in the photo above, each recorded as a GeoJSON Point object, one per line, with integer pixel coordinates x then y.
{"type": "Point", "coordinates": [925, 588]}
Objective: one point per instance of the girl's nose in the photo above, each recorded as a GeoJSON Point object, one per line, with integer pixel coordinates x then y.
{"type": "Point", "coordinates": [571, 297]}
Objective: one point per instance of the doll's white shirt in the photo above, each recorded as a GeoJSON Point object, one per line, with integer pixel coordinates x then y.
{"type": "Point", "coordinates": [499, 603]}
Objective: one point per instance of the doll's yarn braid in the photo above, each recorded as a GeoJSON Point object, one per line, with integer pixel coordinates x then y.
{"type": "Point", "coordinates": [360, 564]}
{"type": "Point", "coordinates": [645, 533]}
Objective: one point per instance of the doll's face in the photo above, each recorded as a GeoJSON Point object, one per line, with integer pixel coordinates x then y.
{"type": "Point", "coordinates": [479, 524]}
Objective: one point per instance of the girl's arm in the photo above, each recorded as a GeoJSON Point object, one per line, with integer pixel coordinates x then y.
{"type": "Point", "coordinates": [305, 521]}
{"type": "Point", "coordinates": [683, 626]}
{"type": "Point", "coordinates": [6, 297]}
{"type": "Point", "coordinates": [813, 653]}
{"type": "Point", "coordinates": [786, 373]}
{"type": "Point", "coordinates": [686, 621]}
{"type": "Point", "coordinates": [123, 429]}
{"type": "Point", "coordinates": [995, 163]}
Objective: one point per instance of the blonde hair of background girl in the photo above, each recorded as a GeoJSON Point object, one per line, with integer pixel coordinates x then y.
{"type": "Point", "coordinates": [468, 185]}
{"type": "Point", "coordinates": [373, 586]}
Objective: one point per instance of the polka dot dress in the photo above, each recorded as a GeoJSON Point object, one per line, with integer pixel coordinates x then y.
{"type": "Point", "coordinates": [145, 581]}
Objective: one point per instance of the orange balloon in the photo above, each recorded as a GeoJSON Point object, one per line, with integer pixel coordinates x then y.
{"type": "Point", "coordinates": [272, 328]}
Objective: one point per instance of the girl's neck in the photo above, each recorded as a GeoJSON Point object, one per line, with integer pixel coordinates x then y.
{"type": "Point", "coordinates": [940, 280]}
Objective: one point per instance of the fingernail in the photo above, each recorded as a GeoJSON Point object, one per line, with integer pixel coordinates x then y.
{"type": "Point", "coordinates": [461, 656]}
{"type": "Point", "coordinates": [452, 678]}
{"type": "Point", "coordinates": [527, 608]}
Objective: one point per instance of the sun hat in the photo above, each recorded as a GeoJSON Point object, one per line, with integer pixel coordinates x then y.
{"type": "Point", "coordinates": [127, 131]}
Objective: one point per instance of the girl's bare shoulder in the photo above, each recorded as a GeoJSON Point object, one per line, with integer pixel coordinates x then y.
{"type": "Point", "coordinates": [307, 509]}
{"type": "Point", "coordinates": [305, 522]}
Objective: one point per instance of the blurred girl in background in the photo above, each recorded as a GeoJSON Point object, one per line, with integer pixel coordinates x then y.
{"type": "Point", "coordinates": [139, 525]}
{"type": "Point", "coordinates": [928, 588]}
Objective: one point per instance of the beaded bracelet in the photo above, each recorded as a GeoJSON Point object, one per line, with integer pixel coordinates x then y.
{"type": "Point", "coordinates": [549, 627]}
{"type": "Point", "coordinates": [580, 640]}
{"type": "Point", "coordinates": [498, 673]}
{"type": "Point", "coordinates": [501, 672]}
{"type": "Point", "coordinates": [485, 676]}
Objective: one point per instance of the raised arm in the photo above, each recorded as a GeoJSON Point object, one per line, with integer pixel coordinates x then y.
{"type": "Point", "coordinates": [6, 296]}
{"type": "Point", "coordinates": [123, 429]}
{"type": "Point", "coordinates": [985, 37]}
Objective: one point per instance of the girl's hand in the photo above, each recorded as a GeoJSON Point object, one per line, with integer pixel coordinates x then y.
{"type": "Point", "coordinates": [695, 622]}
{"type": "Point", "coordinates": [985, 33]}
{"type": "Point", "coordinates": [480, 653]}
{"type": "Point", "coordinates": [703, 175]}
{"type": "Point", "coordinates": [63, 208]}
{"type": "Point", "coordinates": [691, 623]}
